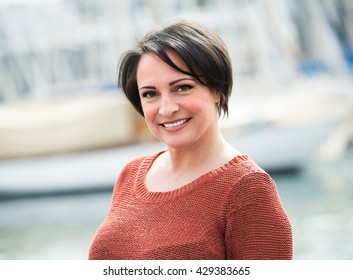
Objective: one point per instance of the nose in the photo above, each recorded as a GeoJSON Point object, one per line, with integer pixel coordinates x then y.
{"type": "Point", "coordinates": [168, 106]}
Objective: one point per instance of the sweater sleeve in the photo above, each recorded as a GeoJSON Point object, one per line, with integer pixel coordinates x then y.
{"type": "Point", "coordinates": [257, 226]}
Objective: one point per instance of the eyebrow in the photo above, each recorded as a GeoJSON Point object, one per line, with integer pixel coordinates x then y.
{"type": "Point", "coordinates": [170, 84]}
{"type": "Point", "coordinates": [179, 80]}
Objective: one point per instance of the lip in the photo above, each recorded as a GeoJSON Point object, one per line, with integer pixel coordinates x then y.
{"type": "Point", "coordinates": [175, 124]}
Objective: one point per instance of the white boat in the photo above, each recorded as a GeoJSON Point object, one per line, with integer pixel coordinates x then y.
{"type": "Point", "coordinates": [274, 149]}
{"type": "Point", "coordinates": [65, 124]}
{"type": "Point", "coordinates": [288, 148]}
{"type": "Point", "coordinates": [67, 173]}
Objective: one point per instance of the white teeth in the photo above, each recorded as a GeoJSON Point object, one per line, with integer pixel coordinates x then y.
{"type": "Point", "coordinates": [168, 125]}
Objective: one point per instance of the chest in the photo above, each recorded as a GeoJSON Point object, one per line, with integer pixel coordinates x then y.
{"type": "Point", "coordinates": [157, 232]}
{"type": "Point", "coordinates": [165, 181]}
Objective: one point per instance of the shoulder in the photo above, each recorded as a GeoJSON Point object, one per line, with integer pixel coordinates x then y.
{"type": "Point", "coordinates": [243, 168]}
{"type": "Point", "coordinates": [256, 218]}
{"type": "Point", "coordinates": [137, 164]}
{"type": "Point", "coordinates": [250, 184]}
{"type": "Point", "coordinates": [128, 175]}
{"type": "Point", "coordinates": [132, 165]}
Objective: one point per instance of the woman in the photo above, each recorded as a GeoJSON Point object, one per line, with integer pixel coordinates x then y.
{"type": "Point", "coordinates": [201, 198]}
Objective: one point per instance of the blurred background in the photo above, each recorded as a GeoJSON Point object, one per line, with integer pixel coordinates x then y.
{"type": "Point", "coordinates": [66, 130]}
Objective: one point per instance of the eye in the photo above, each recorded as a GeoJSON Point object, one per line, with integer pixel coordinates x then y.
{"type": "Point", "coordinates": [149, 94]}
{"type": "Point", "coordinates": [183, 88]}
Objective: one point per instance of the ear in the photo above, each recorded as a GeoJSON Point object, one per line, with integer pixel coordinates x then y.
{"type": "Point", "coordinates": [217, 98]}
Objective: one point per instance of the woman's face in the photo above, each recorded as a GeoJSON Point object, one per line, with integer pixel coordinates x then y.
{"type": "Point", "coordinates": [178, 110]}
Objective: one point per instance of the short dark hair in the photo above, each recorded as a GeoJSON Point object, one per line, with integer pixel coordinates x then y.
{"type": "Point", "coordinates": [202, 50]}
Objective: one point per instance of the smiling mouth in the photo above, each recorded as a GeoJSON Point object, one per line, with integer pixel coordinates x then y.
{"type": "Point", "coordinates": [175, 124]}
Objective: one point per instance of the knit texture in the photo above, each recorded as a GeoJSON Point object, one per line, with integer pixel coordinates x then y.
{"type": "Point", "coordinates": [233, 212]}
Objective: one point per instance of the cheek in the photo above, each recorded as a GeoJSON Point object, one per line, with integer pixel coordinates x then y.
{"type": "Point", "coordinates": [149, 112]}
{"type": "Point", "coordinates": [203, 105]}
{"type": "Point", "coordinates": [192, 104]}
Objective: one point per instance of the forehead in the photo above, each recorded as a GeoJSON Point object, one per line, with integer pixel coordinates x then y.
{"type": "Point", "coordinates": [151, 64]}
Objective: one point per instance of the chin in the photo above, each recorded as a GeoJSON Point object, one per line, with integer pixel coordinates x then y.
{"type": "Point", "coordinates": [177, 144]}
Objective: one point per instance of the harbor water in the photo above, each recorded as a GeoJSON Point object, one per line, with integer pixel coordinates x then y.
{"type": "Point", "coordinates": [318, 200]}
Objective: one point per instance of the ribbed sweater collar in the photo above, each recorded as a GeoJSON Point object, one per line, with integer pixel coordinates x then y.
{"type": "Point", "coordinates": [153, 197]}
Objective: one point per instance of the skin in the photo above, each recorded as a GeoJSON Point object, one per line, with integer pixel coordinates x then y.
{"type": "Point", "coordinates": [182, 113]}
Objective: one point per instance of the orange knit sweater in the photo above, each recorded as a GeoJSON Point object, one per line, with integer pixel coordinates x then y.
{"type": "Point", "coordinates": [233, 212]}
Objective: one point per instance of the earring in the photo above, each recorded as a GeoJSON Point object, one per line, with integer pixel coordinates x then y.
{"type": "Point", "coordinates": [218, 103]}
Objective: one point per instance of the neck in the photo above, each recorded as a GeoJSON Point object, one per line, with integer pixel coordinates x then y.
{"type": "Point", "coordinates": [213, 150]}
